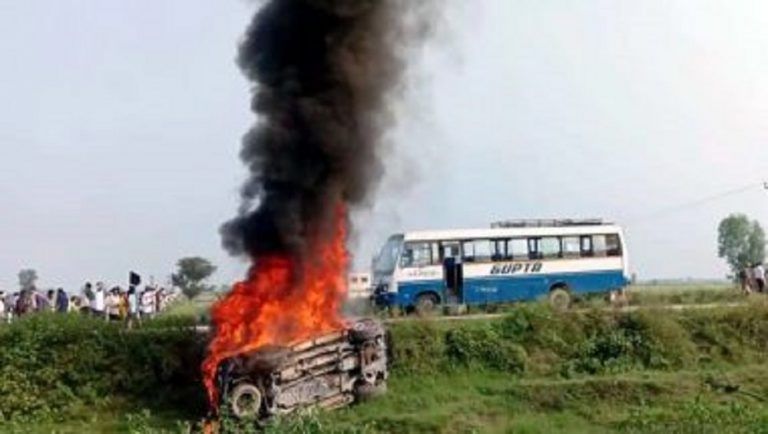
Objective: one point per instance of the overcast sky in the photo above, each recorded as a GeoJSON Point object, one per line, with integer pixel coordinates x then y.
{"type": "Point", "coordinates": [120, 124]}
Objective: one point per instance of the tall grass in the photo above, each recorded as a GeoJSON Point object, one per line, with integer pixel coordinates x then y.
{"type": "Point", "coordinates": [534, 340]}
{"type": "Point", "coordinates": [585, 369]}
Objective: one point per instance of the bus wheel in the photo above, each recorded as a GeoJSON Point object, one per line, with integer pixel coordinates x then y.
{"type": "Point", "coordinates": [426, 304]}
{"type": "Point", "coordinates": [560, 298]}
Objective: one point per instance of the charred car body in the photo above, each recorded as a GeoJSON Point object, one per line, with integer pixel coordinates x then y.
{"type": "Point", "coordinates": [329, 371]}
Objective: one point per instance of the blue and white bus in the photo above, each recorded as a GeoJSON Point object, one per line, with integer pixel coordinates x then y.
{"type": "Point", "coordinates": [512, 261]}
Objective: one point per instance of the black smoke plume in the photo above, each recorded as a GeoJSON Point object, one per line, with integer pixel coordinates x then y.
{"type": "Point", "coordinates": [323, 74]}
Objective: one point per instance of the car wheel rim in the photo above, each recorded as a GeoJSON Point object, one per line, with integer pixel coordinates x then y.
{"type": "Point", "coordinates": [246, 401]}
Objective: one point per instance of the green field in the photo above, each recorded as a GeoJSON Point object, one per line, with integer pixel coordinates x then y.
{"type": "Point", "coordinates": [531, 370]}
{"type": "Point", "coordinates": [641, 295]}
{"type": "Point", "coordinates": [658, 295]}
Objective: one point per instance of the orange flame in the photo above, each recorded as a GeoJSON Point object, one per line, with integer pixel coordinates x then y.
{"type": "Point", "coordinates": [277, 305]}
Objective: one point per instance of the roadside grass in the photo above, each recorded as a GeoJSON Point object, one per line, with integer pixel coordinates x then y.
{"type": "Point", "coordinates": [495, 403]}
{"type": "Point", "coordinates": [197, 308]}
{"type": "Point", "coordinates": [189, 308]}
{"type": "Point", "coordinates": [491, 402]}
{"type": "Point", "coordinates": [533, 370]}
{"type": "Point", "coordinates": [658, 295]}
{"type": "Point", "coordinates": [106, 419]}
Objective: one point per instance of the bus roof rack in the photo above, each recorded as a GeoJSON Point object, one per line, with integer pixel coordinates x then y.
{"type": "Point", "coordinates": [546, 223]}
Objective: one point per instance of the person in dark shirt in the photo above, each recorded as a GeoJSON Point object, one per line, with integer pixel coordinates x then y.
{"type": "Point", "coordinates": [62, 301]}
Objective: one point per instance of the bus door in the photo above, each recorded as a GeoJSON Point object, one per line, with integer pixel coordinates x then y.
{"type": "Point", "coordinates": [453, 272]}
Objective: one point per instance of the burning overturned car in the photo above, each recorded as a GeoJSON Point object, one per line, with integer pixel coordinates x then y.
{"type": "Point", "coordinates": [321, 71]}
{"type": "Point", "coordinates": [329, 371]}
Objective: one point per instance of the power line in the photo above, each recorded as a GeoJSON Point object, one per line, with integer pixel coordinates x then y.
{"type": "Point", "coordinates": [762, 185]}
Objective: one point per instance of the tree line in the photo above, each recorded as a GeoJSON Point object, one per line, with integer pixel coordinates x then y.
{"type": "Point", "coordinates": [191, 276]}
{"type": "Point", "coordinates": [741, 242]}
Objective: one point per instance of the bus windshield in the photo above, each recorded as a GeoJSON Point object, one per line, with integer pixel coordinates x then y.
{"type": "Point", "coordinates": [386, 261]}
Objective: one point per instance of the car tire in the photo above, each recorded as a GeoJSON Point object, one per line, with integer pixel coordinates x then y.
{"type": "Point", "coordinates": [365, 330]}
{"type": "Point", "coordinates": [245, 401]}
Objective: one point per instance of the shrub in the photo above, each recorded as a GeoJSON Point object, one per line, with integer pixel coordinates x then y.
{"type": "Point", "coordinates": [484, 347]}
{"type": "Point", "coordinates": [417, 347]}
{"type": "Point", "coordinates": [53, 363]}
{"type": "Point", "coordinates": [534, 339]}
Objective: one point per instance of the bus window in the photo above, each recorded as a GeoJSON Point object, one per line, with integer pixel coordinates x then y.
{"type": "Point", "coordinates": [599, 246]}
{"type": "Point", "coordinates": [549, 247]}
{"type": "Point", "coordinates": [517, 248]}
{"type": "Point", "coordinates": [449, 249]}
{"type": "Point", "coordinates": [534, 250]}
{"type": "Point", "coordinates": [477, 250]}
{"type": "Point", "coordinates": [586, 246]}
{"type": "Point", "coordinates": [571, 247]}
{"type": "Point", "coordinates": [386, 261]}
{"type": "Point", "coordinates": [417, 255]}
{"type": "Point", "coordinates": [612, 245]}
{"type": "Point", "coordinates": [499, 250]}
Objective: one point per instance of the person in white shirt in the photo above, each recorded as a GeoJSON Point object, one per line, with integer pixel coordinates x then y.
{"type": "Point", "coordinates": [97, 305]}
{"type": "Point", "coordinates": [112, 304]}
{"type": "Point", "coordinates": [133, 306]}
{"type": "Point", "coordinates": [10, 306]}
{"type": "Point", "coordinates": [759, 273]}
{"type": "Point", "coordinates": [148, 302]}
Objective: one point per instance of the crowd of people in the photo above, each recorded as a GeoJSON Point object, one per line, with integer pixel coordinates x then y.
{"type": "Point", "coordinates": [752, 279]}
{"type": "Point", "coordinates": [113, 304]}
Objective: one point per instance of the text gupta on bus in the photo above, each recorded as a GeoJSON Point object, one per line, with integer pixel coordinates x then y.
{"type": "Point", "coordinates": [513, 261]}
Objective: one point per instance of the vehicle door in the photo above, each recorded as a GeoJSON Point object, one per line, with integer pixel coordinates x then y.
{"type": "Point", "coordinates": [453, 272]}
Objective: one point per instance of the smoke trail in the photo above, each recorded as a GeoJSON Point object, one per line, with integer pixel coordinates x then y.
{"type": "Point", "coordinates": [323, 73]}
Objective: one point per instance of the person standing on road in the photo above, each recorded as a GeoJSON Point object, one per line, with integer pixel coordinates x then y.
{"type": "Point", "coordinates": [759, 273]}
{"type": "Point", "coordinates": [76, 305]}
{"type": "Point", "coordinates": [160, 300]}
{"type": "Point", "coordinates": [123, 296]}
{"type": "Point", "coordinates": [7, 304]}
{"type": "Point", "coordinates": [51, 298]}
{"type": "Point", "coordinates": [744, 282]}
{"type": "Point", "coordinates": [148, 302]}
{"type": "Point", "coordinates": [43, 303]}
{"type": "Point", "coordinates": [133, 306]}
{"type": "Point", "coordinates": [88, 293]}
{"type": "Point", "coordinates": [97, 304]}
{"type": "Point", "coordinates": [27, 302]}
{"type": "Point", "coordinates": [112, 304]}
{"type": "Point", "coordinates": [62, 301]}
{"type": "Point", "coordinates": [10, 306]}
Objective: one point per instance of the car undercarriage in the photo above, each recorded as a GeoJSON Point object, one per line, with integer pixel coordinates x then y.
{"type": "Point", "coordinates": [329, 371]}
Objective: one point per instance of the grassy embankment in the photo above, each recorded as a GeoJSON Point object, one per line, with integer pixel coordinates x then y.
{"type": "Point", "coordinates": [531, 371]}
